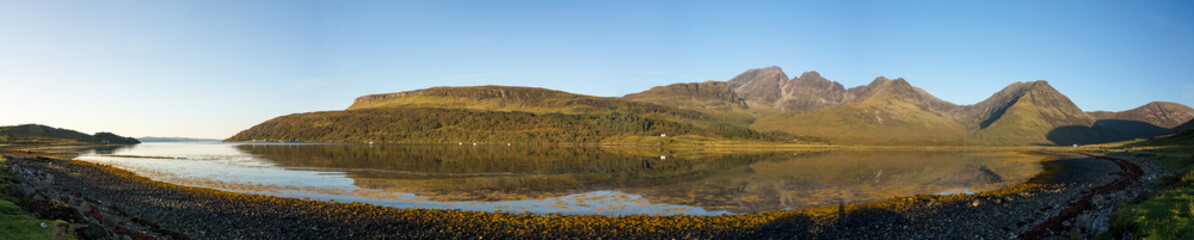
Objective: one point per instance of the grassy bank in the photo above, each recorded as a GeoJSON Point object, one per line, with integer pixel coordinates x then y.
{"type": "Point", "coordinates": [16, 224]}
{"type": "Point", "coordinates": [1166, 211]}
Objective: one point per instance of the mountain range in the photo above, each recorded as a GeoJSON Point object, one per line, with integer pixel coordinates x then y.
{"type": "Point", "coordinates": [759, 104]}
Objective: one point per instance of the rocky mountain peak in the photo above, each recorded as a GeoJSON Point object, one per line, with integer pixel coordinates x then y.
{"type": "Point", "coordinates": [879, 81]}
{"type": "Point", "coordinates": [1158, 113]}
{"type": "Point", "coordinates": [760, 87]}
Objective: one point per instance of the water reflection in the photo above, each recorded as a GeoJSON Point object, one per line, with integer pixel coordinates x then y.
{"type": "Point", "coordinates": [572, 179]}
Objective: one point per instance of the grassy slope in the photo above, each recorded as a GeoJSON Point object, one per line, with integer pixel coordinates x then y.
{"type": "Point", "coordinates": [887, 118]}
{"type": "Point", "coordinates": [525, 99]}
{"type": "Point", "coordinates": [33, 134]}
{"type": "Point", "coordinates": [1182, 142]}
{"type": "Point", "coordinates": [1031, 117]}
{"type": "Point", "coordinates": [712, 98]}
{"type": "Point", "coordinates": [1169, 212]}
{"type": "Point", "coordinates": [436, 125]}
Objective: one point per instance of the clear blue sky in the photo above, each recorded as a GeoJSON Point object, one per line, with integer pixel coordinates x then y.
{"type": "Point", "coordinates": [212, 68]}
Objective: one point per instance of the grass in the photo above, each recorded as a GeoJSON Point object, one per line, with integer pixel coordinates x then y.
{"type": "Point", "coordinates": [1167, 215]}
{"type": "Point", "coordinates": [889, 119]}
{"type": "Point", "coordinates": [1169, 212]}
{"type": "Point", "coordinates": [15, 224]}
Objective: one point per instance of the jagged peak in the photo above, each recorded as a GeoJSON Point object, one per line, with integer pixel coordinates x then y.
{"type": "Point", "coordinates": [810, 75]}
{"type": "Point", "coordinates": [754, 73]}
{"type": "Point", "coordinates": [879, 81]}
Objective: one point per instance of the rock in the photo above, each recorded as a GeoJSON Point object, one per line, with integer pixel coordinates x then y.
{"type": "Point", "coordinates": [976, 203]}
{"type": "Point", "coordinates": [93, 232]}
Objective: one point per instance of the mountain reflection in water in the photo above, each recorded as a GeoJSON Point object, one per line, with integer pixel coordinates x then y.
{"type": "Point", "coordinates": [572, 180]}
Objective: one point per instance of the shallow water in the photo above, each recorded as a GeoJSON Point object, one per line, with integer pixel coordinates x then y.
{"type": "Point", "coordinates": [570, 180]}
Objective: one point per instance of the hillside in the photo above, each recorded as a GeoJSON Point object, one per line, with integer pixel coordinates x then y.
{"type": "Point", "coordinates": [888, 112]}
{"type": "Point", "coordinates": [1162, 114]}
{"type": "Point", "coordinates": [34, 134]}
{"type": "Point", "coordinates": [442, 125]}
{"type": "Point", "coordinates": [1180, 128]}
{"type": "Point", "coordinates": [713, 98]}
{"type": "Point", "coordinates": [522, 99]}
{"type": "Point", "coordinates": [757, 100]}
{"type": "Point", "coordinates": [1023, 113]}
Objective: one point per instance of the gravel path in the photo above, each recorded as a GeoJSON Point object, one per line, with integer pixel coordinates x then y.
{"type": "Point", "coordinates": [176, 212]}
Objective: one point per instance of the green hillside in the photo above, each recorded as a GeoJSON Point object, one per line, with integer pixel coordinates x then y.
{"type": "Point", "coordinates": [712, 98]}
{"type": "Point", "coordinates": [1034, 111]}
{"type": "Point", "coordinates": [894, 114]}
{"type": "Point", "coordinates": [34, 134]}
{"type": "Point", "coordinates": [523, 99]}
{"type": "Point", "coordinates": [1181, 128]}
{"type": "Point", "coordinates": [442, 125]}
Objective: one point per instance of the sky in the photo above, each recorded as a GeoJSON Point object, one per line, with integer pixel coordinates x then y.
{"type": "Point", "coordinates": [209, 69]}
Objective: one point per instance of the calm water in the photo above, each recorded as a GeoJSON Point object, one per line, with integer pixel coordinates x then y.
{"type": "Point", "coordinates": [570, 180]}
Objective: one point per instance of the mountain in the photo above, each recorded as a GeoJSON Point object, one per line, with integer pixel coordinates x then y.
{"type": "Point", "coordinates": [447, 125]}
{"type": "Point", "coordinates": [1181, 128]}
{"type": "Point", "coordinates": [41, 134]}
{"type": "Point", "coordinates": [882, 112]}
{"type": "Point", "coordinates": [522, 99]}
{"type": "Point", "coordinates": [755, 104]}
{"type": "Point", "coordinates": [517, 115]}
{"type": "Point", "coordinates": [1022, 113]}
{"type": "Point", "coordinates": [760, 88]}
{"type": "Point", "coordinates": [769, 89]}
{"type": "Point", "coordinates": [713, 98]}
{"type": "Point", "coordinates": [1149, 120]}
{"type": "Point", "coordinates": [1161, 114]}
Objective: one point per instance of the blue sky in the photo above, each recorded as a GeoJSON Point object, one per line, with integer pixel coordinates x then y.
{"type": "Point", "coordinates": [212, 68]}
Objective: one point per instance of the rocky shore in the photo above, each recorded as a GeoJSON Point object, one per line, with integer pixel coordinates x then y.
{"type": "Point", "coordinates": [108, 202]}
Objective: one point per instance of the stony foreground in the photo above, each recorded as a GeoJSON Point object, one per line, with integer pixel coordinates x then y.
{"type": "Point", "coordinates": [104, 201]}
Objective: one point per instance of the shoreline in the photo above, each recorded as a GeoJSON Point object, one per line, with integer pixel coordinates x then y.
{"type": "Point", "coordinates": [192, 211]}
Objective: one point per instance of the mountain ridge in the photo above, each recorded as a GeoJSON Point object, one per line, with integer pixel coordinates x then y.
{"type": "Point", "coordinates": [884, 111]}
{"type": "Point", "coordinates": [37, 133]}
